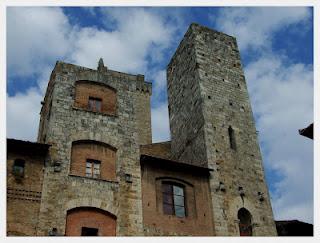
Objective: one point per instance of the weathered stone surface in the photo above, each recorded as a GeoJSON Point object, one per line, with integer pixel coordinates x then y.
{"type": "Point", "coordinates": [207, 97]}
{"type": "Point", "coordinates": [63, 123]}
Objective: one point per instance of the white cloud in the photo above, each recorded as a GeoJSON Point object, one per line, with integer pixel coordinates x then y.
{"type": "Point", "coordinates": [139, 35]}
{"type": "Point", "coordinates": [35, 36]}
{"type": "Point", "coordinates": [254, 27]}
{"type": "Point", "coordinates": [282, 98]}
{"type": "Point", "coordinates": [23, 115]}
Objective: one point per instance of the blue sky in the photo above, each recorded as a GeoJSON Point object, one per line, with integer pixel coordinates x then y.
{"type": "Point", "coordinates": [276, 47]}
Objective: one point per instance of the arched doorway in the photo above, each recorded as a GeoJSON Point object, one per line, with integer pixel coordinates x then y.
{"type": "Point", "coordinates": [245, 225]}
{"type": "Point", "coordinates": [89, 221]}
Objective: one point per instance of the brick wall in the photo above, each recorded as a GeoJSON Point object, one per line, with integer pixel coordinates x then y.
{"type": "Point", "coordinates": [24, 195]}
{"type": "Point", "coordinates": [197, 195]}
{"type": "Point", "coordinates": [84, 90]}
{"type": "Point", "coordinates": [90, 218]}
{"type": "Point", "coordinates": [160, 150]}
{"type": "Point", "coordinates": [82, 151]}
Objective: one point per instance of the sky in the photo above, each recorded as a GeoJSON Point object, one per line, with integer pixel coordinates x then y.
{"type": "Point", "coordinates": [276, 48]}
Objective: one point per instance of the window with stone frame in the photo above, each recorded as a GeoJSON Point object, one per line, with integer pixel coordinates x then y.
{"type": "Point", "coordinates": [173, 198]}
{"type": "Point", "coordinates": [94, 104]}
{"type": "Point", "coordinates": [93, 168]}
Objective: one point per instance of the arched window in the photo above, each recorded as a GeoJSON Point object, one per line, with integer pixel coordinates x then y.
{"type": "Point", "coordinates": [89, 221]}
{"type": "Point", "coordinates": [173, 198]}
{"type": "Point", "coordinates": [93, 159]}
{"type": "Point", "coordinates": [95, 97]}
{"type": "Point", "coordinates": [245, 225]}
{"type": "Point", "coordinates": [232, 138]}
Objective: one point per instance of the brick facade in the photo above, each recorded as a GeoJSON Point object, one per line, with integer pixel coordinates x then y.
{"type": "Point", "coordinates": [24, 193]}
{"type": "Point", "coordinates": [87, 89]}
{"type": "Point", "coordinates": [198, 220]}
{"type": "Point", "coordinates": [77, 218]}
{"type": "Point", "coordinates": [84, 150]}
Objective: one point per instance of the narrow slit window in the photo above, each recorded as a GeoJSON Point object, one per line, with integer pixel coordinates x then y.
{"type": "Point", "coordinates": [232, 138]}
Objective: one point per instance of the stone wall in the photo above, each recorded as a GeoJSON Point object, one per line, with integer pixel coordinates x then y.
{"type": "Point", "coordinates": [67, 123]}
{"type": "Point", "coordinates": [219, 101]}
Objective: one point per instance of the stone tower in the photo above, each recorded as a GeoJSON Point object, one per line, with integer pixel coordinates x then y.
{"type": "Point", "coordinates": [212, 125]}
{"type": "Point", "coordinates": [89, 116]}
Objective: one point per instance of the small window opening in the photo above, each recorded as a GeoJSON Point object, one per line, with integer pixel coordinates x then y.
{"type": "Point", "coordinates": [94, 104]}
{"type": "Point", "coordinates": [86, 231]}
{"type": "Point", "coordinates": [93, 168]}
{"type": "Point", "coordinates": [18, 168]}
{"type": "Point", "coordinates": [232, 139]}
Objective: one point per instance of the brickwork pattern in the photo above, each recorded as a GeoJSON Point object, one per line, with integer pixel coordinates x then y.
{"type": "Point", "coordinates": [197, 193]}
{"type": "Point", "coordinates": [24, 195]}
{"type": "Point", "coordinates": [88, 150]}
{"type": "Point", "coordinates": [87, 89]}
{"type": "Point", "coordinates": [90, 218]}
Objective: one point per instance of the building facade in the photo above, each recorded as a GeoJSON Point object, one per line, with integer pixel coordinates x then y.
{"type": "Point", "coordinates": [102, 175]}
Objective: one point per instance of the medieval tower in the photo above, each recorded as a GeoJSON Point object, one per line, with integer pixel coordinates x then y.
{"type": "Point", "coordinates": [100, 142]}
{"type": "Point", "coordinates": [100, 174]}
{"type": "Point", "coordinates": [212, 125]}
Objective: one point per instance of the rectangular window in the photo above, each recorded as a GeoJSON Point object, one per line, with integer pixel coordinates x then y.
{"type": "Point", "coordinates": [18, 168]}
{"type": "Point", "coordinates": [94, 104]}
{"type": "Point", "coordinates": [173, 200]}
{"type": "Point", "coordinates": [86, 231]}
{"type": "Point", "coordinates": [93, 168]}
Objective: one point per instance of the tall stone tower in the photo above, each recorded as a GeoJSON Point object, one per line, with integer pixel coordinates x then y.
{"type": "Point", "coordinates": [95, 121]}
{"type": "Point", "coordinates": [212, 125]}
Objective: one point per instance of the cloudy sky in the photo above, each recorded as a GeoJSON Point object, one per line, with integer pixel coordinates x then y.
{"type": "Point", "coordinates": [276, 49]}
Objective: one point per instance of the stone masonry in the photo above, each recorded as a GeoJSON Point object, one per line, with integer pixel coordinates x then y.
{"type": "Point", "coordinates": [212, 125]}
{"type": "Point", "coordinates": [102, 173]}
{"type": "Point", "coordinates": [62, 123]}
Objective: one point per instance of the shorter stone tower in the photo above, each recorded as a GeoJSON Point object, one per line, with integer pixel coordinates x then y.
{"type": "Point", "coordinates": [212, 125]}
{"type": "Point", "coordinates": [95, 121]}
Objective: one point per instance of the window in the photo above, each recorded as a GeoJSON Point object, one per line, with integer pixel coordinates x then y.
{"type": "Point", "coordinates": [94, 104]}
{"type": "Point", "coordinates": [93, 168]}
{"type": "Point", "coordinates": [232, 139]}
{"type": "Point", "coordinates": [245, 225]}
{"type": "Point", "coordinates": [173, 200]}
{"type": "Point", "coordinates": [86, 231]}
{"type": "Point", "coordinates": [18, 168]}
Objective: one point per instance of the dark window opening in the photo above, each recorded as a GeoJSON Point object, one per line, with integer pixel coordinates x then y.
{"type": "Point", "coordinates": [232, 138]}
{"type": "Point", "coordinates": [85, 231]}
{"type": "Point", "coordinates": [173, 200]}
{"type": "Point", "coordinates": [93, 168]}
{"type": "Point", "coordinates": [18, 168]}
{"type": "Point", "coordinates": [245, 226]}
{"type": "Point", "coordinates": [94, 104]}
